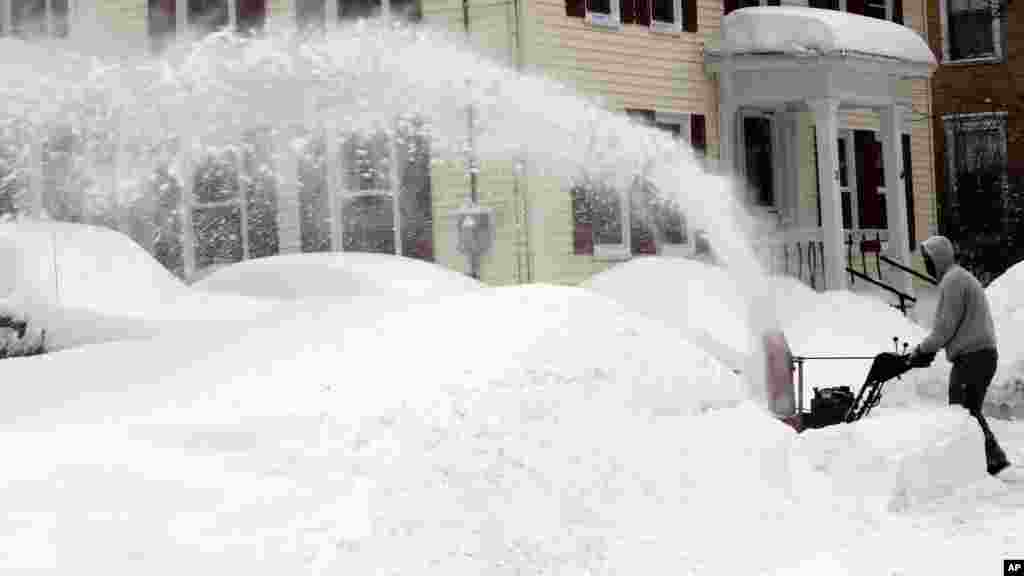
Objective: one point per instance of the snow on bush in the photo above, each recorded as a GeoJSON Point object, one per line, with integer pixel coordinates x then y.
{"type": "Point", "coordinates": [1004, 293]}
{"type": "Point", "coordinates": [336, 276]}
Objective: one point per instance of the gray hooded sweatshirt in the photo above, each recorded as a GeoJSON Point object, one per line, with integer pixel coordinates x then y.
{"type": "Point", "coordinates": [963, 322]}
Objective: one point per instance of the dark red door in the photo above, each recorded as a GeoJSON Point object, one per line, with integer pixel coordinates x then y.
{"type": "Point", "coordinates": [868, 155]}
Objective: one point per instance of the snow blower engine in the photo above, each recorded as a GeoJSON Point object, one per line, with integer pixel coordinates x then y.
{"type": "Point", "coordinates": [838, 404]}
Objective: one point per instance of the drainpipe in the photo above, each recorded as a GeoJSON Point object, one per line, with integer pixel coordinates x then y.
{"type": "Point", "coordinates": [474, 259]}
{"type": "Point", "coordinates": [519, 182]}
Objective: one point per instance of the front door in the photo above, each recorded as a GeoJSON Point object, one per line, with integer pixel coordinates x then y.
{"type": "Point", "coordinates": [870, 179]}
{"type": "Point", "coordinates": [758, 159]}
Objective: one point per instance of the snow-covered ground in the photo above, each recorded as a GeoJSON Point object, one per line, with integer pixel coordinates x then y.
{"type": "Point", "coordinates": [536, 429]}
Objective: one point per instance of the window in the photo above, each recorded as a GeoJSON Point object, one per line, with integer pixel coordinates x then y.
{"type": "Point", "coordinates": [206, 16]}
{"type": "Point", "coordinates": [234, 203]}
{"type": "Point", "coordinates": [27, 18]}
{"type": "Point", "coordinates": [730, 5]}
{"type": "Point", "coordinates": [385, 195]}
{"type": "Point", "coordinates": [881, 9]}
{"type": "Point", "coordinates": [971, 30]}
{"type": "Point", "coordinates": [655, 224]}
{"type": "Point", "coordinates": [313, 13]}
{"type": "Point", "coordinates": [161, 23]}
{"type": "Point", "coordinates": [603, 12]}
{"type": "Point", "coordinates": [666, 15]}
{"type": "Point", "coordinates": [975, 154]}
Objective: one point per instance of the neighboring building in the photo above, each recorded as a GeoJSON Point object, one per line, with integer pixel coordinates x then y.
{"type": "Point", "coordinates": [979, 120]}
{"type": "Point", "coordinates": [658, 60]}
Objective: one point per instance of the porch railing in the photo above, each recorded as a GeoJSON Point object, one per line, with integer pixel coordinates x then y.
{"type": "Point", "coordinates": [799, 253]}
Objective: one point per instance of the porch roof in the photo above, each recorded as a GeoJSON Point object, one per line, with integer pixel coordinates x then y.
{"type": "Point", "coordinates": [797, 32]}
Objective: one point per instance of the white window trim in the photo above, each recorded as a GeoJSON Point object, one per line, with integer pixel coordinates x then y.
{"type": "Point", "coordinates": [612, 20]}
{"type": "Point", "coordinates": [997, 45]}
{"type": "Point", "coordinates": [977, 118]}
{"type": "Point", "coordinates": [676, 25]}
{"type": "Point", "coordinates": [394, 191]}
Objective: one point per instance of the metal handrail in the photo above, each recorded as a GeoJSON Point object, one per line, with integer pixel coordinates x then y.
{"type": "Point", "coordinates": [908, 270]}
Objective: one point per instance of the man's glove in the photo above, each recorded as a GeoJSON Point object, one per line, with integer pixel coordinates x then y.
{"type": "Point", "coordinates": [919, 360]}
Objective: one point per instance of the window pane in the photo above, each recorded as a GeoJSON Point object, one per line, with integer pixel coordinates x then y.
{"type": "Point", "coordinates": [216, 180]}
{"type": "Point", "coordinates": [410, 10]}
{"type": "Point", "coordinates": [315, 223]}
{"type": "Point", "coordinates": [970, 29]}
{"type": "Point", "coordinates": [367, 162]}
{"type": "Point", "coordinates": [607, 217]}
{"type": "Point", "coordinates": [261, 195]}
{"type": "Point", "coordinates": [161, 23]}
{"type": "Point", "coordinates": [60, 18]}
{"type": "Point", "coordinates": [664, 10]}
{"type": "Point", "coordinates": [208, 15]}
{"type": "Point", "coordinates": [413, 147]}
{"type": "Point", "coordinates": [310, 13]}
{"type": "Point", "coordinates": [218, 235]}
{"type": "Point", "coordinates": [28, 17]}
{"type": "Point", "coordinates": [251, 15]}
{"type": "Point", "coordinates": [600, 6]}
{"type": "Point", "coordinates": [369, 224]}
{"type": "Point", "coordinates": [875, 9]}
{"type": "Point", "coordinates": [166, 190]}
{"type": "Point", "coordinates": [350, 9]}
{"type": "Point", "coordinates": [844, 175]}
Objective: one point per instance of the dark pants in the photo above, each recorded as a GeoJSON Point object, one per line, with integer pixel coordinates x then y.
{"type": "Point", "coordinates": [968, 382]}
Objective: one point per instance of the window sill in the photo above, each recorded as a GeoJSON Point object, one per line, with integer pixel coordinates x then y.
{"type": "Point", "coordinates": [669, 28]}
{"type": "Point", "coordinates": [995, 59]}
{"type": "Point", "coordinates": [603, 21]}
{"type": "Point", "coordinates": [608, 253]}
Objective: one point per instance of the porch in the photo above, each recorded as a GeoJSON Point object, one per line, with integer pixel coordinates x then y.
{"type": "Point", "coordinates": [783, 71]}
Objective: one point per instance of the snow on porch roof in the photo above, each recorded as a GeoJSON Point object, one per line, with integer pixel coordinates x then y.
{"type": "Point", "coordinates": [798, 30]}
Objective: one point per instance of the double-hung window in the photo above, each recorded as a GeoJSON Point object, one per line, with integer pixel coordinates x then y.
{"type": "Point", "coordinates": [971, 30]}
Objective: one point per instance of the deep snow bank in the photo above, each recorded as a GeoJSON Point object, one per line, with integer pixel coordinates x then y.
{"type": "Point", "coordinates": [895, 460]}
{"type": "Point", "coordinates": [539, 428]}
{"type": "Point", "coordinates": [87, 284]}
{"type": "Point", "coordinates": [337, 276]}
{"type": "Point", "coordinates": [699, 298]}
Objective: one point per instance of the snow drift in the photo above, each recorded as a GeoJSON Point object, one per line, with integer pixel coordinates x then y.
{"type": "Point", "coordinates": [337, 276]}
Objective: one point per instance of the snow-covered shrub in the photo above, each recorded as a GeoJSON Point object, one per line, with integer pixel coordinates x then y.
{"type": "Point", "coordinates": [18, 339]}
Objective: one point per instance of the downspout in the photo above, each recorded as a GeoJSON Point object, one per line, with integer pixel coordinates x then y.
{"type": "Point", "coordinates": [474, 259]}
{"type": "Point", "coordinates": [519, 182]}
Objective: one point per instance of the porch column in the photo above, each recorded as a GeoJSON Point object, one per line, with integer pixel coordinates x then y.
{"type": "Point", "coordinates": [826, 126]}
{"type": "Point", "coordinates": [895, 194]}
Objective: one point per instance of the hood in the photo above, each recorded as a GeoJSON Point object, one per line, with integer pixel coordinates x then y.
{"type": "Point", "coordinates": [940, 250]}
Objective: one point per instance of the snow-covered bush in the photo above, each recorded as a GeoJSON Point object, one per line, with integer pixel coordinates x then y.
{"type": "Point", "coordinates": [18, 339]}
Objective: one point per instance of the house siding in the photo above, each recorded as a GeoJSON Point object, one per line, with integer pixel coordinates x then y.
{"type": "Point", "coordinates": [980, 87]}
{"type": "Point", "coordinates": [607, 64]}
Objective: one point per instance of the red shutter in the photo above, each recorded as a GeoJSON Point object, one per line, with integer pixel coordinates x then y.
{"type": "Point", "coordinates": [897, 11]}
{"type": "Point", "coordinates": [690, 15]}
{"type": "Point", "coordinates": [643, 12]}
{"type": "Point", "coordinates": [627, 11]}
{"type": "Point", "coordinates": [855, 7]}
{"type": "Point", "coordinates": [582, 222]}
{"type": "Point", "coordinates": [576, 8]}
{"type": "Point", "coordinates": [698, 132]}
{"type": "Point", "coordinates": [729, 6]}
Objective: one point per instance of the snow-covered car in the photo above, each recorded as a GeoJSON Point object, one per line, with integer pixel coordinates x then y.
{"type": "Point", "coordinates": [338, 277]}
{"type": "Point", "coordinates": [85, 284]}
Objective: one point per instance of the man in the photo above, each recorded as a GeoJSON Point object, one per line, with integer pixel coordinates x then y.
{"type": "Point", "coordinates": [963, 326]}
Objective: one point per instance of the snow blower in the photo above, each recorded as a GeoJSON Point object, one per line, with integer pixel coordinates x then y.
{"type": "Point", "coordinates": [838, 404]}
